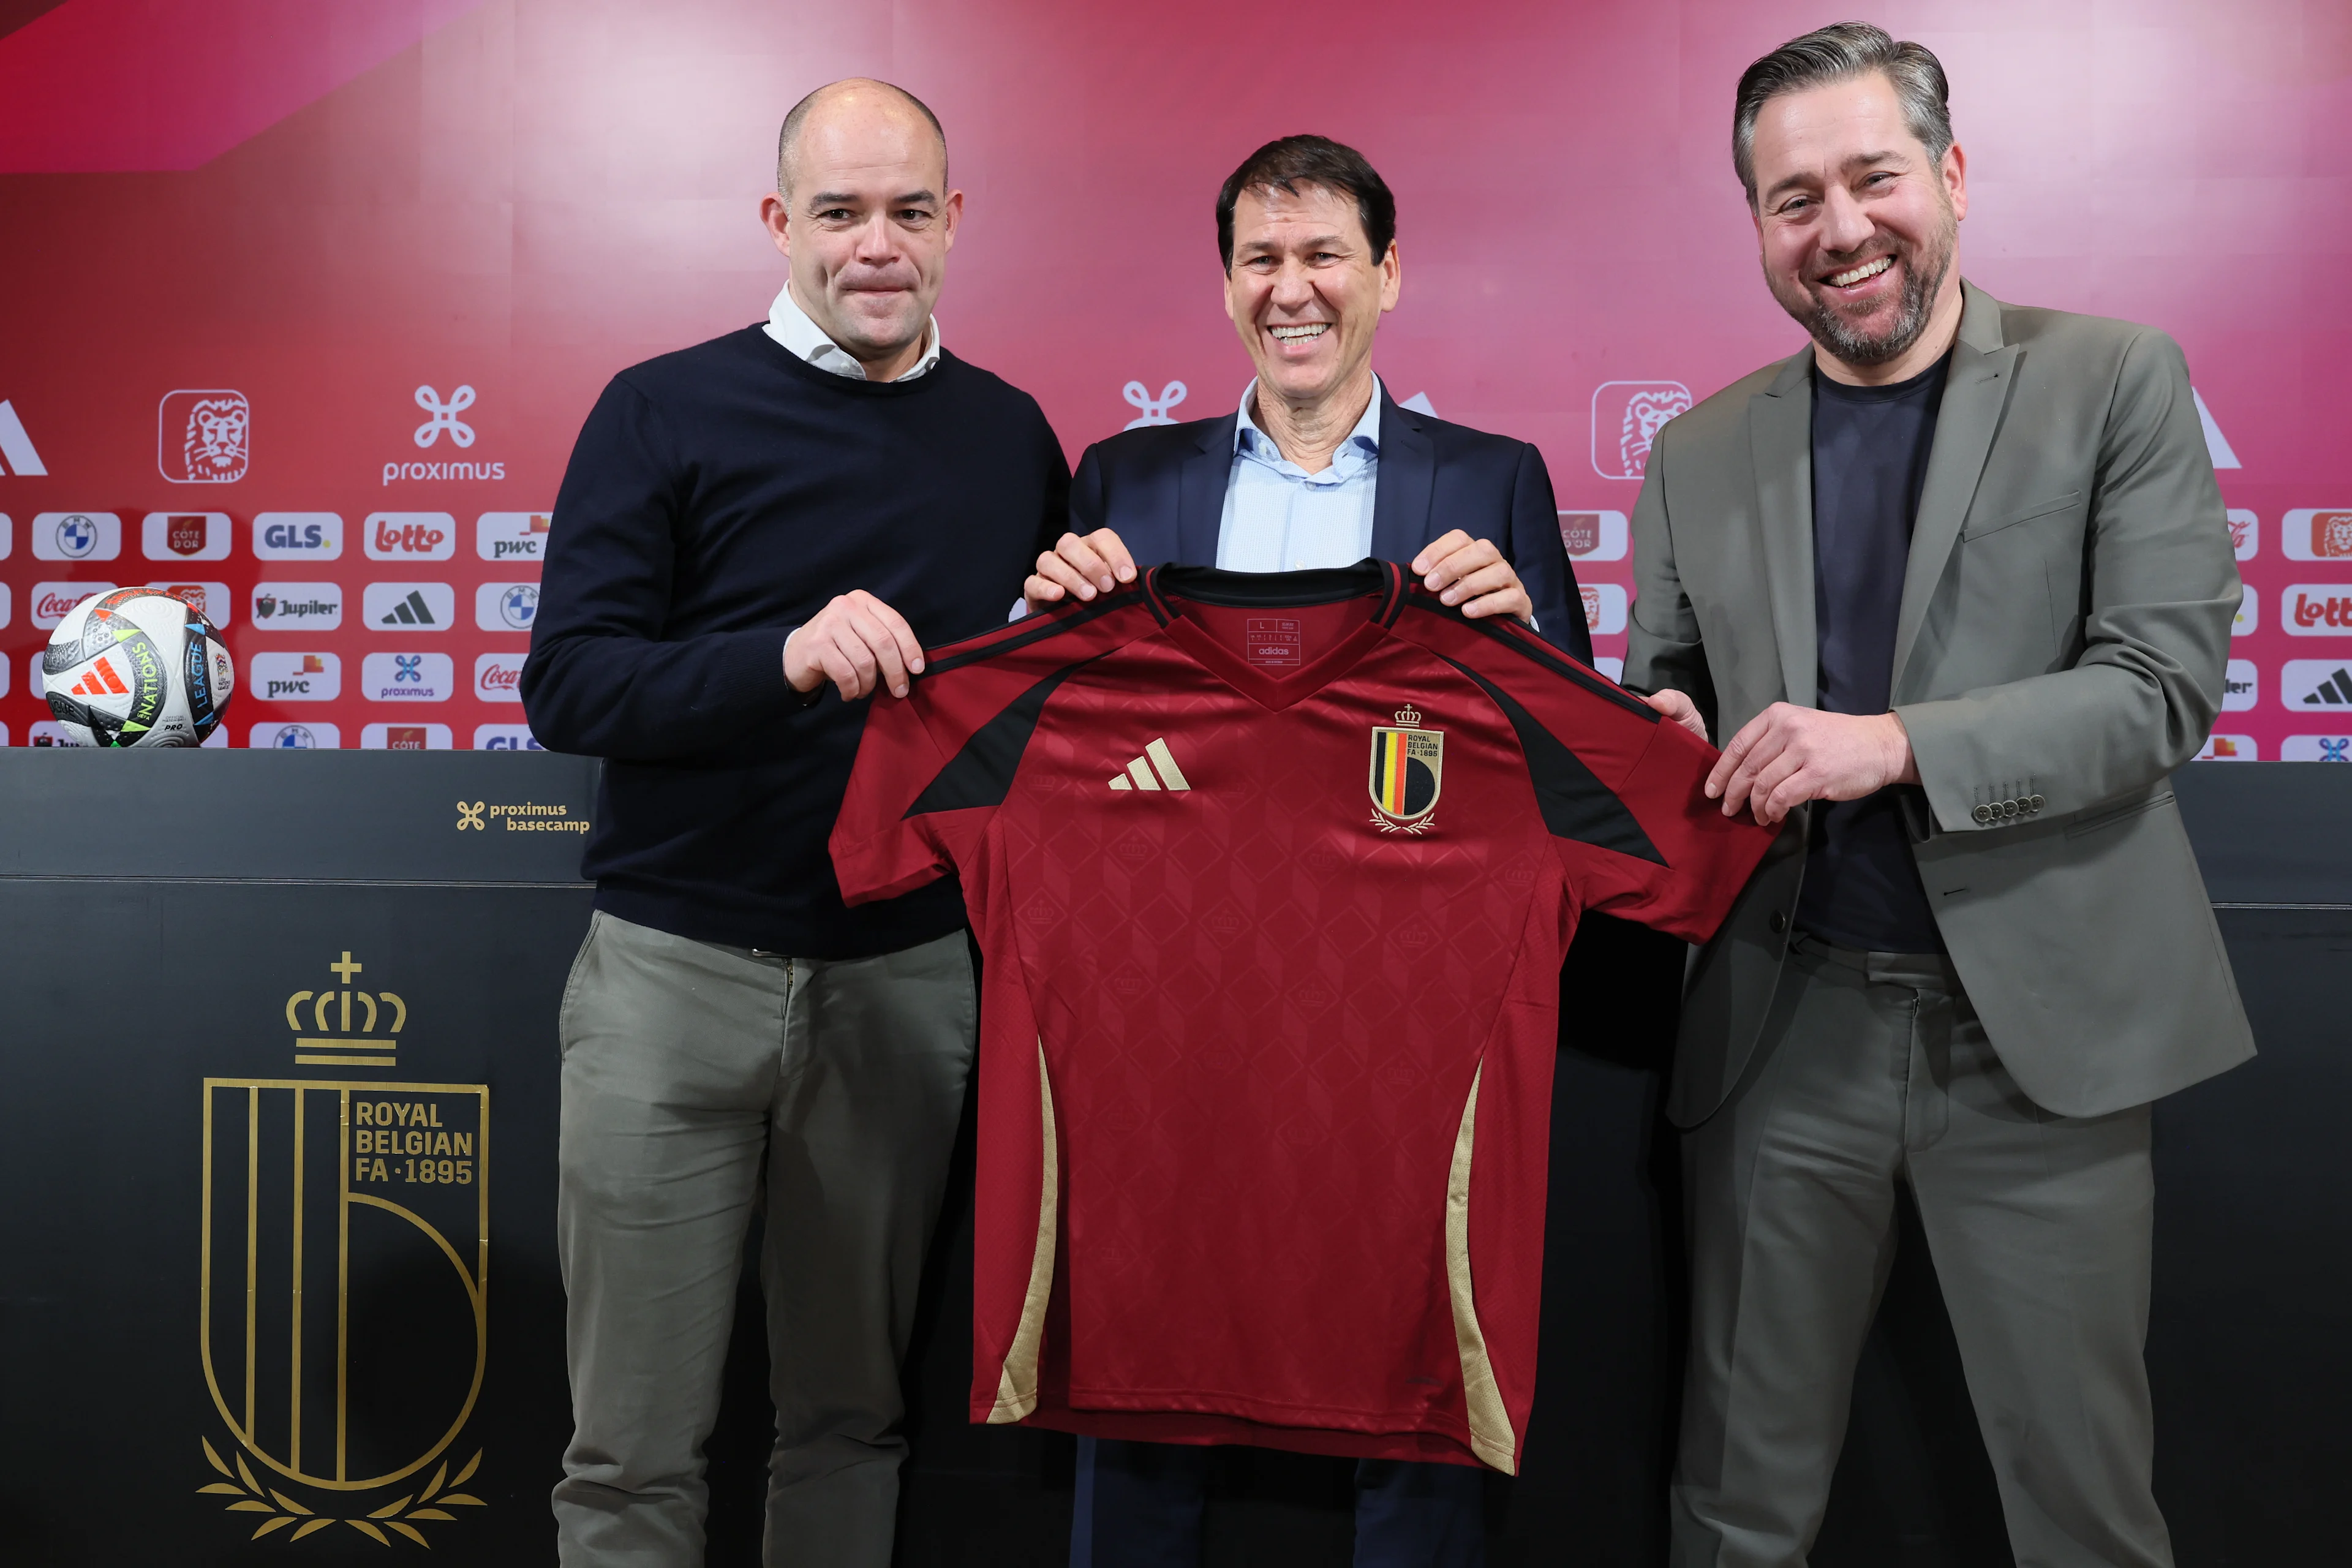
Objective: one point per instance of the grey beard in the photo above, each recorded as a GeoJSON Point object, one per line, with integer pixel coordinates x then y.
{"type": "Point", "coordinates": [1919, 287]}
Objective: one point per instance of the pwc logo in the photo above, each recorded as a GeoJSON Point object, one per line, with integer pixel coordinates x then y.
{"type": "Point", "coordinates": [2316, 610]}
{"type": "Point", "coordinates": [410, 535]}
{"type": "Point", "coordinates": [498, 678]}
{"type": "Point", "coordinates": [512, 535]}
{"type": "Point", "coordinates": [298, 536]}
{"type": "Point", "coordinates": [48, 603]}
{"type": "Point", "coordinates": [295, 676]}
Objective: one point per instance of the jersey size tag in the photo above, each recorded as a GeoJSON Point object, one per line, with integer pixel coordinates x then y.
{"type": "Point", "coordinates": [1274, 642]}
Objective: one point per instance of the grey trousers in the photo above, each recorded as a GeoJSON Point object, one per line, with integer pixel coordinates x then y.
{"type": "Point", "coordinates": [1872, 1069]}
{"type": "Point", "coordinates": [687, 1068]}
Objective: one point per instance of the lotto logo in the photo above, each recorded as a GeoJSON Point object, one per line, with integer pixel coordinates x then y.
{"type": "Point", "coordinates": [498, 678]}
{"type": "Point", "coordinates": [407, 676]}
{"type": "Point", "coordinates": [298, 536]}
{"type": "Point", "coordinates": [50, 601]}
{"type": "Point", "coordinates": [2242, 685]}
{"type": "Point", "coordinates": [411, 536]}
{"type": "Point", "coordinates": [2246, 533]}
{"type": "Point", "coordinates": [210, 600]}
{"type": "Point", "coordinates": [512, 535]}
{"type": "Point", "coordinates": [184, 535]}
{"type": "Point", "coordinates": [77, 536]}
{"type": "Point", "coordinates": [1593, 535]}
{"type": "Point", "coordinates": [1626, 418]}
{"type": "Point", "coordinates": [297, 606]}
{"type": "Point", "coordinates": [1605, 606]}
{"type": "Point", "coordinates": [2316, 610]}
{"type": "Point", "coordinates": [2316, 534]}
{"type": "Point", "coordinates": [202, 438]}
{"type": "Point", "coordinates": [295, 676]}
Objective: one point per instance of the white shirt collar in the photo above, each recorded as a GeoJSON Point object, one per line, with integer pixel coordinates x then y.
{"type": "Point", "coordinates": [1366, 435]}
{"type": "Point", "coordinates": [790, 325]}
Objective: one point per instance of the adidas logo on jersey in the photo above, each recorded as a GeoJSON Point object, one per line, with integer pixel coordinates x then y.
{"type": "Point", "coordinates": [1141, 770]}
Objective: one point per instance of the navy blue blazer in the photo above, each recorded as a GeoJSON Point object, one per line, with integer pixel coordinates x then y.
{"type": "Point", "coordinates": [1162, 489]}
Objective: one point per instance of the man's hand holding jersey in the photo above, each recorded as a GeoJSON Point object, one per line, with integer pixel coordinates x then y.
{"type": "Point", "coordinates": [1460, 570]}
{"type": "Point", "coordinates": [858, 643]}
{"type": "Point", "coordinates": [1787, 755]}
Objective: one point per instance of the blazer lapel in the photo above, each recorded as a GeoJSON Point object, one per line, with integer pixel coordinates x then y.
{"type": "Point", "coordinates": [1781, 446]}
{"type": "Point", "coordinates": [1401, 485]}
{"type": "Point", "coordinates": [1201, 482]}
{"type": "Point", "coordinates": [1976, 390]}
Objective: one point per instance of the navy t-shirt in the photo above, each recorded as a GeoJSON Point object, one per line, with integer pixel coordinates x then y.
{"type": "Point", "coordinates": [1870, 459]}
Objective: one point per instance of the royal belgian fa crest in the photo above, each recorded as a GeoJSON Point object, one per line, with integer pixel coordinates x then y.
{"type": "Point", "coordinates": [344, 1320]}
{"type": "Point", "coordinates": [1408, 772]}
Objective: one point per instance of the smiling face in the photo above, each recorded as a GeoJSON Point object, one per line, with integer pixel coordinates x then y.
{"type": "Point", "coordinates": [866, 224]}
{"type": "Point", "coordinates": [1306, 293]}
{"type": "Point", "coordinates": [1858, 226]}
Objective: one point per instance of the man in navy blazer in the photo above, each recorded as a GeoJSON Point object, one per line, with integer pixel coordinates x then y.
{"type": "Point", "coordinates": [1319, 466]}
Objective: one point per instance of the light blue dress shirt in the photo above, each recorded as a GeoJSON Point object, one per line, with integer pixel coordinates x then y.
{"type": "Point", "coordinates": [1280, 518]}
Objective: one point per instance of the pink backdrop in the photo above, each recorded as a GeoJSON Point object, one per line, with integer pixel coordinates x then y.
{"type": "Point", "coordinates": [325, 221]}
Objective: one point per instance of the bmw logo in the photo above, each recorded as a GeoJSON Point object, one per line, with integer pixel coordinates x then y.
{"type": "Point", "coordinates": [76, 537]}
{"type": "Point", "coordinates": [517, 605]}
{"type": "Point", "coordinates": [294, 738]}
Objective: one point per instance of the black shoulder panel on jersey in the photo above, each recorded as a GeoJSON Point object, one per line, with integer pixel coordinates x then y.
{"type": "Point", "coordinates": [982, 771]}
{"type": "Point", "coordinates": [1034, 629]}
{"type": "Point", "coordinates": [1533, 648]}
{"type": "Point", "coordinates": [1575, 804]}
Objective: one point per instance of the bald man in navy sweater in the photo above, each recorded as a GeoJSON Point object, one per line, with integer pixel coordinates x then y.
{"type": "Point", "coordinates": [755, 536]}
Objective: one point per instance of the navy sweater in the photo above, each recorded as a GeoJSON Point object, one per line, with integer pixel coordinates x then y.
{"type": "Point", "coordinates": [718, 497]}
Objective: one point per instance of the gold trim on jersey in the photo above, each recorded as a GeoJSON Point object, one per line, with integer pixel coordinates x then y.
{"type": "Point", "coordinates": [1491, 1438]}
{"type": "Point", "coordinates": [1016, 1384]}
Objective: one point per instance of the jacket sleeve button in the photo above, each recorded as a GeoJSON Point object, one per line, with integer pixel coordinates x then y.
{"type": "Point", "coordinates": [2036, 802]}
{"type": "Point", "coordinates": [1779, 922]}
{"type": "Point", "coordinates": [1983, 813]}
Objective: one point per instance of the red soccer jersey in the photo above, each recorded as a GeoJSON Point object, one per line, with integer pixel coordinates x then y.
{"type": "Point", "coordinates": [1272, 875]}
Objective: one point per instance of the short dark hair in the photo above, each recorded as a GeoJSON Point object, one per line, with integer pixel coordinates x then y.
{"type": "Point", "coordinates": [788, 138]}
{"type": "Point", "coordinates": [1295, 160]}
{"type": "Point", "coordinates": [1836, 53]}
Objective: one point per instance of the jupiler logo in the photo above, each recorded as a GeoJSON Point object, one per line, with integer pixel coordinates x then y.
{"type": "Point", "coordinates": [384, 1179]}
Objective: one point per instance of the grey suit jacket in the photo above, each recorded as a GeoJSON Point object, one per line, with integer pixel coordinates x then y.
{"type": "Point", "coordinates": [2064, 623]}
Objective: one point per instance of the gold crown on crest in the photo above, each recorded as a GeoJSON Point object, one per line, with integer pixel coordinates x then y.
{"type": "Point", "coordinates": [1408, 715]}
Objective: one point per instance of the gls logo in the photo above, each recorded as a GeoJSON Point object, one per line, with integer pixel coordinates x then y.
{"type": "Point", "coordinates": [295, 676]}
{"type": "Point", "coordinates": [298, 536]}
{"type": "Point", "coordinates": [505, 738]}
{"type": "Point", "coordinates": [411, 536]}
{"type": "Point", "coordinates": [2316, 610]}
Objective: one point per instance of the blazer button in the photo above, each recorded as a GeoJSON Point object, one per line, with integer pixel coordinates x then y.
{"type": "Point", "coordinates": [2036, 802]}
{"type": "Point", "coordinates": [1779, 922]}
{"type": "Point", "coordinates": [2009, 808]}
{"type": "Point", "coordinates": [1983, 813]}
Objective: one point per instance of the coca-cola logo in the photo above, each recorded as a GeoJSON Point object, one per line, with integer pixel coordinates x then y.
{"type": "Point", "coordinates": [408, 538]}
{"type": "Point", "coordinates": [502, 676]}
{"type": "Point", "coordinates": [54, 605]}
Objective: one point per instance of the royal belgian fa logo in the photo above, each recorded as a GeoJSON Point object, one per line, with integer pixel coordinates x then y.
{"type": "Point", "coordinates": [1408, 772]}
{"type": "Point", "coordinates": [344, 1274]}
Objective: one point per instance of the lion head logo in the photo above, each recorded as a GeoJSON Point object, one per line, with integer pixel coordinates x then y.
{"type": "Point", "coordinates": [1647, 413]}
{"type": "Point", "coordinates": [213, 447]}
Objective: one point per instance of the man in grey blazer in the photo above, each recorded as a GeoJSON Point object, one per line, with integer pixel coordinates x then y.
{"type": "Point", "coordinates": [1956, 584]}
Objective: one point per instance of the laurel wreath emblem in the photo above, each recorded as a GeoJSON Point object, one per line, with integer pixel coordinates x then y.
{"type": "Point", "coordinates": [283, 1510]}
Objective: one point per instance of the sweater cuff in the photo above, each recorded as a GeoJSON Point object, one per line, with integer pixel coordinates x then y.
{"type": "Point", "coordinates": [747, 680]}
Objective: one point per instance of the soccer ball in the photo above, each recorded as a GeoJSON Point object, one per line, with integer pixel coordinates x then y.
{"type": "Point", "coordinates": [137, 668]}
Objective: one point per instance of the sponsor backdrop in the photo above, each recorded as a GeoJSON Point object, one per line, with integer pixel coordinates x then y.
{"type": "Point", "coordinates": [305, 306]}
